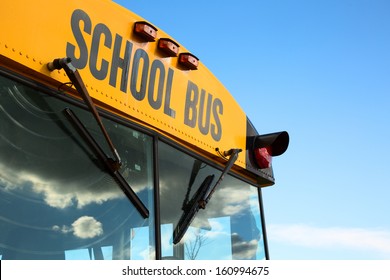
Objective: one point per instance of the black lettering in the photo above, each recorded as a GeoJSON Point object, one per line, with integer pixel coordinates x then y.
{"type": "Point", "coordinates": [139, 55]}
{"type": "Point", "coordinates": [167, 109]}
{"type": "Point", "coordinates": [99, 30]}
{"type": "Point", "coordinates": [156, 103]}
{"type": "Point", "coordinates": [204, 115]}
{"type": "Point", "coordinates": [79, 16]}
{"type": "Point", "coordinates": [118, 62]}
{"type": "Point", "coordinates": [190, 111]}
{"type": "Point", "coordinates": [216, 129]}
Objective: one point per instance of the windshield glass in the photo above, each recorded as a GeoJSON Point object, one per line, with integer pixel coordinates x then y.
{"type": "Point", "coordinates": [230, 225]}
{"type": "Point", "coordinates": [56, 199]}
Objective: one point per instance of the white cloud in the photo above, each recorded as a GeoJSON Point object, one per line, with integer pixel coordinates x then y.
{"type": "Point", "coordinates": [244, 249]}
{"type": "Point", "coordinates": [363, 239]}
{"type": "Point", "coordinates": [64, 229]}
{"type": "Point", "coordinates": [84, 227]}
{"type": "Point", "coordinates": [210, 231]}
{"type": "Point", "coordinates": [87, 227]}
{"type": "Point", "coordinates": [60, 194]}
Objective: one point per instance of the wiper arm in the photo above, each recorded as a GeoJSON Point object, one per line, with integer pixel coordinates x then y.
{"type": "Point", "coordinates": [102, 157]}
{"type": "Point", "coordinates": [131, 195]}
{"type": "Point", "coordinates": [111, 165]}
{"type": "Point", "coordinates": [75, 78]}
{"type": "Point", "coordinates": [201, 198]}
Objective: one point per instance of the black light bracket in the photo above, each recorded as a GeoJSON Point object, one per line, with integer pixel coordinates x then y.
{"type": "Point", "coordinates": [277, 141]}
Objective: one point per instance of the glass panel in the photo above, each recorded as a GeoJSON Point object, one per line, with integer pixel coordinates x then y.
{"type": "Point", "coordinates": [56, 199]}
{"type": "Point", "coordinates": [229, 227]}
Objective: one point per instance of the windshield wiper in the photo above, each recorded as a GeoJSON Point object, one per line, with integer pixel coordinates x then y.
{"type": "Point", "coordinates": [102, 157]}
{"type": "Point", "coordinates": [201, 198]}
{"type": "Point", "coordinates": [112, 165]}
{"type": "Point", "coordinates": [75, 78]}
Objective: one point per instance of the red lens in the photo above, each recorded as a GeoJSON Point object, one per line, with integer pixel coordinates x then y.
{"type": "Point", "coordinates": [263, 157]}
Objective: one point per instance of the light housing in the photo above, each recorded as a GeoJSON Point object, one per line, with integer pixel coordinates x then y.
{"type": "Point", "coordinates": [168, 46]}
{"type": "Point", "coordinates": [188, 61]}
{"type": "Point", "coordinates": [270, 145]}
{"type": "Point", "coordinates": [145, 30]}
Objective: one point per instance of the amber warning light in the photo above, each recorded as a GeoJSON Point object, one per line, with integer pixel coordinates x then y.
{"type": "Point", "coordinates": [189, 61]}
{"type": "Point", "coordinates": [145, 30]}
{"type": "Point", "coordinates": [270, 145]}
{"type": "Point", "coordinates": [171, 48]}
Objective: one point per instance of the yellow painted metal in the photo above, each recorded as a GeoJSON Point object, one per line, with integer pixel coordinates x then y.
{"type": "Point", "coordinates": [34, 33]}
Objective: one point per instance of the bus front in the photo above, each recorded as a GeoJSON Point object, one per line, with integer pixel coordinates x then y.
{"type": "Point", "coordinates": [118, 143]}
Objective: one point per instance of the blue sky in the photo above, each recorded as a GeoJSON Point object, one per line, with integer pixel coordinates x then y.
{"type": "Point", "coordinates": [320, 70]}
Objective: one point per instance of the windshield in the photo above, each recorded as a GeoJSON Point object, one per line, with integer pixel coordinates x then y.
{"type": "Point", "coordinates": [56, 199]}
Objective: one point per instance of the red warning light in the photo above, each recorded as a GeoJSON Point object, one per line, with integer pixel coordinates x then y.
{"type": "Point", "coordinates": [263, 157]}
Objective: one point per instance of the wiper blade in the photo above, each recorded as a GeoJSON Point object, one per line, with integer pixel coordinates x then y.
{"type": "Point", "coordinates": [191, 209]}
{"type": "Point", "coordinates": [102, 157]}
{"type": "Point", "coordinates": [201, 198]}
{"type": "Point", "coordinates": [112, 165]}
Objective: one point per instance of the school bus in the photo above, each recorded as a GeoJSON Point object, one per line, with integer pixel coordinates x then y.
{"type": "Point", "coordinates": [116, 142]}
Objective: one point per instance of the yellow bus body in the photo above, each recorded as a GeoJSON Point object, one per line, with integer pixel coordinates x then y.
{"type": "Point", "coordinates": [190, 106]}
